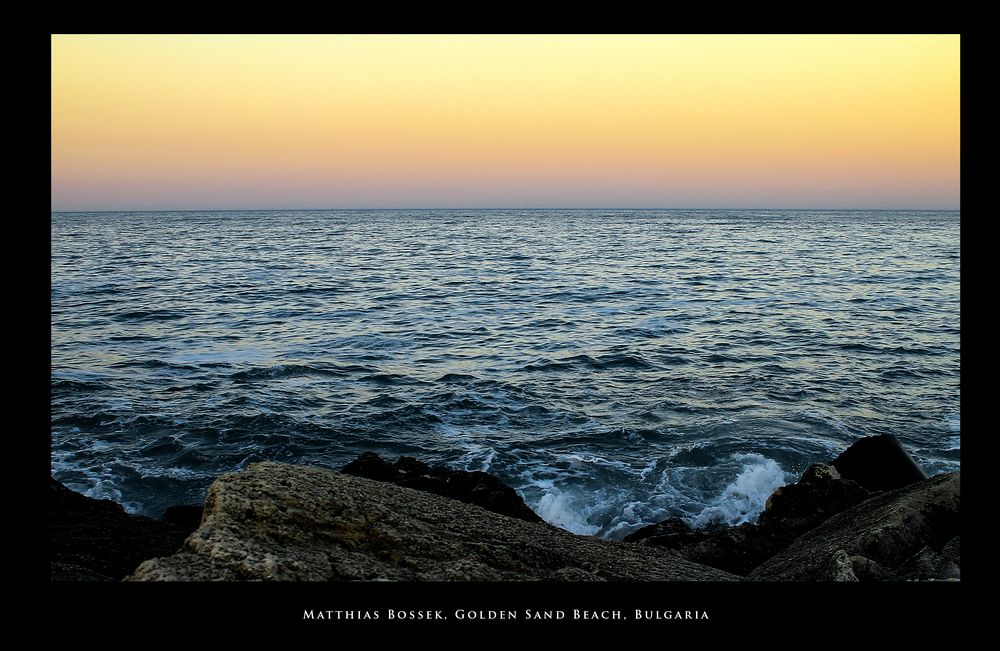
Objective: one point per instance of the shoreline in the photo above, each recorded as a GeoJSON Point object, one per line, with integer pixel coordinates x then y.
{"type": "Point", "coordinates": [279, 502]}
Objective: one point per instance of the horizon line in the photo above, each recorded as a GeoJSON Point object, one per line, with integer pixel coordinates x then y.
{"type": "Point", "coordinates": [498, 208]}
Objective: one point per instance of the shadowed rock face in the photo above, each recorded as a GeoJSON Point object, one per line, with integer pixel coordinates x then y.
{"type": "Point", "coordinates": [867, 468]}
{"type": "Point", "coordinates": [910, 533]}
{"type": "Point", "coordinates": [791, 511]}
{"type": "Point", "coordinates": [96, 540]}
{"type": "Point", "coordinates": [878, 463]}
{"type": "Point", "coordinates": [277, 521]}
{"type": "Point", "coordinates": [477, 488]}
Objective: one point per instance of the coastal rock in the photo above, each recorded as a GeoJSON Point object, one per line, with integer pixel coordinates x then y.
{"type": "Point", "coordinates": [185, 515]}
{"type": "Point", "coordinates": [479, 488]}
{"type": "Point", "coordinates": [953, 550]}
{"type": "Point", "coordinates": [820, 493]}
{"type": "Point", "coordinates": [878, 463]}
{"type": "Point", "coordinates": [733, 549]}
{"type": "Point", "coordinates": [891, 530]}
{"type": "Point", "coordinates": [276, 521]}
{"type": "Point", "coordinates": [96, 540]}
{"type": "Point", "coordinates": [928, 565]}
{"type": "Point", "coordinates": [866, 468]}
{"type": "Point", "coordinates": [790, 511]}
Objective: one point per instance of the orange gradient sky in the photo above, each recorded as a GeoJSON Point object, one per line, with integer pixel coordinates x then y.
{"type": "Point", "coordinates": [217, 122]}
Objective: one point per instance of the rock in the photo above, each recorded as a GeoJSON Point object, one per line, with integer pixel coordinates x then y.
{"type": "Point", "coordinates": [96, 540]}
{"type": "Point", "coordinates": [878, 463]}
{"type": "Point", "coordinates": [671, 529]}
{"type": "Point", "coordinates": [185, 515]}
{"type": "Point", "coordinates": [867, 467]}
{"type": "Point", "coordinates": [791, 511]}
{"type": "Point", "coordinates": [733, 549]}
{"type": "Point", "coordinates": [888, 530]}
{"type": "Point", "coordinates": [276, 521]}
{"type": "Point", "coordinates": [819, 493]}
{"type": "Point", "coordinates": [928, 565]}
{"type": "Point", "coordinates": [62, 572]}
{"type": "Point", "coordinates": [372, 466]}
{"type": "Point", "coordinates": [479, 488]}
{"type": "Point", "coordinates": [953, 550]}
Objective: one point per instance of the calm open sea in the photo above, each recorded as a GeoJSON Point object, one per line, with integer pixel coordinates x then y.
{"type": "Point", "coordinates": [615, 367]}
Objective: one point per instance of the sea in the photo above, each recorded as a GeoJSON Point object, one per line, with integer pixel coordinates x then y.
{"type": "Point", "coordinates": [615, 367]}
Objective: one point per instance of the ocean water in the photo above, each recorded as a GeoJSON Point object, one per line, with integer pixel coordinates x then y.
{"type": "Point", "coordinates": [615, 367]}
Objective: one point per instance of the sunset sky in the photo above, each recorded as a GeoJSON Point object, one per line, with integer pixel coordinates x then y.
{"type": "Point", "coordinates": [220, 122]}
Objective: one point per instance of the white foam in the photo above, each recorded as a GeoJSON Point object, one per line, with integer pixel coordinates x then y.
{"type": "Point", "coordinates": [477, 455]}
{"type": "Point", "coordinates": [744, 498]}
{"type": "Point", "coordinates": [566, 512]}
{"type": "Point", "coordinates": [173, 473]}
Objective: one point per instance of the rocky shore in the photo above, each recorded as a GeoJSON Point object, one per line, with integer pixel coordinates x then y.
{"type": "Point", "coordinates": [869, 515]}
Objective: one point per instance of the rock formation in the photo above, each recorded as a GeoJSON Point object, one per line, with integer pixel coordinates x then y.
{"type": "Point", "coordinates": [898, 535]}
{"type": "Point", "coordinates": [275, 521]}
{"type": "Point", "coordinates": [477, 488]}
{"type": "Point", "coordinates": [96, 540]}
{"type": "Point", "coordinates": [848, 486]}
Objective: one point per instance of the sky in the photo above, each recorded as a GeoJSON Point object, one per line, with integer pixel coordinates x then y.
{"type": "Point", "coordinates": [175, 122]}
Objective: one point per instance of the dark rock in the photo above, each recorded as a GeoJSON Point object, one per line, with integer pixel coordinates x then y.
{"type": "Point", "coordinates": [819, 494]}
{"type": "Point", "coordinates": [928, 565]}
{"type": "Point", "coordinates": [791, 511]}
{"type": "Point", "coordinates": [96, 540]}
{"type": "Point", "coordinates": [479, 488]}
{"type": "Point", "coordinates": [671, 528]}
{"type": "Point", "coordinates": [372, 466]}
{"type": "Point", "coordinates": [63, 572]}
{"type": "Point", "coordinates": [865, 569]}
{"type": "Point", "coordinates": [277, 521]}
{"type": "Point", "coordinates": [888, 529]}
{"type": "Point", "coordinates": [867, 467]}
{"type": "Point", "coordinates": [953, 550]}
{"type": "Point", "coordinates": [184, 515]}
{"type": "Point", "coordinates": [878, 463]}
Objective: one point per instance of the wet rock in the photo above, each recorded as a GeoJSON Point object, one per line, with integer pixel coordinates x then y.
{"type": "Point", "coordinates": [479, 488]}
{"type": "Point", "coordinates": [889, 529]}
{"type": "Point", "coordinates": [276, 521]}
{"type": "Point", "coordinates": [733, 549]}
{"type": "Point", "coordinates": [878, 463]}
{"type": "Point", "coordinates": [184, 515]}
{"type": "Point", "coordinates": [928, 565]}
{"type": "Point", "coordinates": [864, 470]}
{"type": "Point", "coordinates": [953, 550]}
{"type": "Point", "coordinates": [791, 511]}
{"type": "Point", "coordinates": [96, 540]}
{"type": "Point", "coordinates": [819, 493]}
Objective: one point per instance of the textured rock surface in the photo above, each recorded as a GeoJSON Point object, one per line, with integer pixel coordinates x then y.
{"type": "Point", "coordinates": [276, 521]}
{"type": "Point", "coordinates": [900, 534]}
{"type": "Point", "coordinates": [791, 511]}
{"type": "Point", "coordinates": [820, 493]}
{"type": "Point", "coordinates": [96, 540]}
{"type": "Point", "coordinates": [477, 488]}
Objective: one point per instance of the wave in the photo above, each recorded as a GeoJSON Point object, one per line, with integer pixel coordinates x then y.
{"type": "Point", "coordinates": [80, 385]}
{"type": "Point", "coordinates": [141, 316]}
{"type": "Point", "coordinates": [295, 370]}
{"type": "Point", "coordinates": [744, 498]}
{"type": "Point", "coordinates": [591, 494]}
{"type": "Point", "coordinates": [603, 362]}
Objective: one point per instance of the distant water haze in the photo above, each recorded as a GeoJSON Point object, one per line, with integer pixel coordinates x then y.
{"type": "Point", "coordinates": [616, 367]}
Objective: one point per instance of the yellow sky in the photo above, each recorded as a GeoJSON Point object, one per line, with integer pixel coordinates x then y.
{"type": "Point", "coordinates": [395, 121]}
